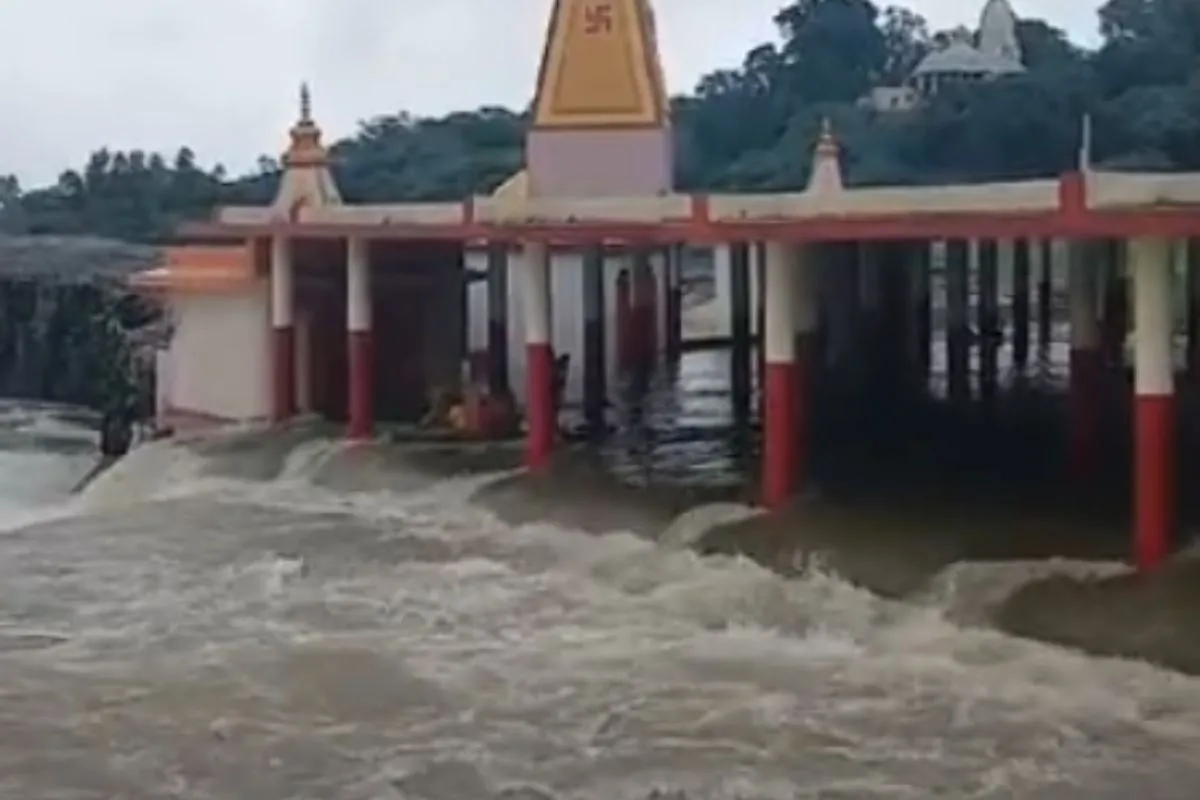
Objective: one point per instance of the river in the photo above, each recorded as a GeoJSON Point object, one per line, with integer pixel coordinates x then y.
{"type": "Point", "coordinates": [252, 619]}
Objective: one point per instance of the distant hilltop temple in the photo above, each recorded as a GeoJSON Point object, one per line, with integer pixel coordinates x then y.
{"type": "Point", "coordinates": [964, 58]}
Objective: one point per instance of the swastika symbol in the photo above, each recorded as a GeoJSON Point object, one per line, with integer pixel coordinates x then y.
{"type": "Point", "coordinates": [597, 18]}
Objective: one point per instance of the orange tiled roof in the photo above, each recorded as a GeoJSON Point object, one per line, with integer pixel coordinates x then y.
{"type": "Point", "coordinates": [200, 269]}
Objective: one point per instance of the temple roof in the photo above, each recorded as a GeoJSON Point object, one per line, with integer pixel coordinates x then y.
{"type": "Point", "coordinates": [998, 52]}
{"type": "Point", "coordinates": [998, 32]}
{"type": "Point", "coordinates": [961, 57]}
{"type": "Point", "coordinates": [202, 269]}
{"type": "Point", "coordinates": [516, 187]}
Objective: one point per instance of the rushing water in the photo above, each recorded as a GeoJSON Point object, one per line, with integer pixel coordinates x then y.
{"type": "Point", "coordinates": [221, 624]}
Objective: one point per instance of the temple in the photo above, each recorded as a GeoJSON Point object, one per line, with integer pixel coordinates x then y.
{"type": "Point", "coordinates": [964, 57]}
{"type": "Point", "coordinates": [358, 312]}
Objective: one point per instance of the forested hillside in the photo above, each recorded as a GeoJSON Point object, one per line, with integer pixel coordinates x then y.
{"type": "Point", "coordinates": [746, 127]}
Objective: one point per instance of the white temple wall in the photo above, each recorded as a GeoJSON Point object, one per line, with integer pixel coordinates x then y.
{"type": "Point", "coordinates": [219, 357]}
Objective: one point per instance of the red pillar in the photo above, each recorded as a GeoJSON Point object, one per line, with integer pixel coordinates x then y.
{"type": "Point", "coordinates": [1154, 404]}
{"type": "Point", "coordinates": [360, 341]}
{"type": "Point", "coordinates": [539, 358]}
{"type": "Point", "coordinates": [781, 379]}
{"type": "Point", "coordinates": [283, 332]}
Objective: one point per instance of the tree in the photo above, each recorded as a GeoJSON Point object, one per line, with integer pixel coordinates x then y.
{"type": "Point", "coordinates": [906, 37]}
{"type": "Point", "coordinates": [833, 51]}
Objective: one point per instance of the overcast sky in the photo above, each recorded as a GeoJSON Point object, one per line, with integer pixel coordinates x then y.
{"type": "Point", "coordinates": [222, 75]}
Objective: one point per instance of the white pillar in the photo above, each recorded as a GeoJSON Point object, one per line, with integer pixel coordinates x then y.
{"type": "Point", "coordinates": [1154, 414]}
{"type": "Point", "coordinates": [283, 334]}
{"type": "Point", "coordinates": [283, 301]}
{"type": "Point", "coordinates": [541, 414]}
{"type": "Point", "coordinates": [1150, 262]}
{"type": "Point", "coordinates": [358, 287]}
{"type": "Point", "coordinates": [722, 292]}
{"type": "Point", "coordinates": [535, 288]}
{"type": "Point", "coordinates": [779, 345]}
{"type": "Point", "coordinates": [360, 340]}
{"type": "Point", "coordinates": [780, 296]}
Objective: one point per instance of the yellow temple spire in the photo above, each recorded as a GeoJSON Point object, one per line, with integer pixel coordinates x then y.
{"type": "Point", "coordinates": [305, 148]}
{"type": "Point", "coordinates": [601, 67]}
{"type": "Point", "coordinates": [307, 180]}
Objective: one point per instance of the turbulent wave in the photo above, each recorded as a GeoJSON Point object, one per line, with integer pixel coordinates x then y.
{"type": "Point", "coordinates": [284, 616]}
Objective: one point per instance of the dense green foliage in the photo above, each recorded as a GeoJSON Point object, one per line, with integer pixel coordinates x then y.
{"type": "Point", "coordinates": [749, 127]}
{"type": "Point", "coordinates": [67, 343]}
{"type": "Point", "coordinates": [70, 330]}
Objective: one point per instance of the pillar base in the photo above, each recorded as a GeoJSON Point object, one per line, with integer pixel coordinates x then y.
{"type": "Point", "coordinates": [779, 435]}
{"type": "Point", "coordinates": [541, 414]}
{"type": "Point", "coordinates": [283, 381]}
{"type": "Point", "coordinates": [361, 369]}
{"type": "Point", "coordinates": [1153, 479]}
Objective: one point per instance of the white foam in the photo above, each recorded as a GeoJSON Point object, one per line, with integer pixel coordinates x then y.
{"type": "Point", "coordinates": [303, 461]}
{"type": "Point", "coordinates": [692, 525]}
{"type": "Point", "coordinates": [148, 471]}
{"type": "Point", "coordinates": [384, 630]}
{"type": "Point", "coordinates": [968, 592]}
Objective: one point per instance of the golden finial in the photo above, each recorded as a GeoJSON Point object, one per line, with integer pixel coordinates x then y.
{"type": "Point", "coordinates": [305, 104]}
{"type": "Point", "coordinates": [306, 145]}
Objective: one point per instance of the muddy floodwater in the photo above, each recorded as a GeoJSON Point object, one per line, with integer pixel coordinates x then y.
{"type": "Point", "coordinates": [275, 617]}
